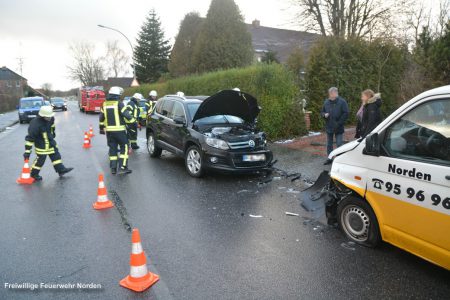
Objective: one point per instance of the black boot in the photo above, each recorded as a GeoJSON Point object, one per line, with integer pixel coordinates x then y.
{"type": "Point", "coordinates": [134, 146]}
{"type": "Point", "coordinates": [36, 177]}
{"type": "Point", "coordinates": [64, 171]}
{"type": "Point", "coordinates": [113, 171]}
{"type": "Point", "coordinates": [124, 171]}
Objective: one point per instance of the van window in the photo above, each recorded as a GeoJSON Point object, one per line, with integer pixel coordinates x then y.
{"type": "Point", "coordinates": [422, 134]}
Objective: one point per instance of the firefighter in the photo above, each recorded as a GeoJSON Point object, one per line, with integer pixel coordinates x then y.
{"type": "Point", "coordinates": [112, 122]}
{"type": "Point", "coordinates": [152, 97]}
{"type": "Point", "coordinates": [132, 125]}
{"type": "Point", "coordinates": [41, 134]}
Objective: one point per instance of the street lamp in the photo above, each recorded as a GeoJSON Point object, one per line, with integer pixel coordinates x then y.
{"type": "Point", "coordinates": [131, 45]}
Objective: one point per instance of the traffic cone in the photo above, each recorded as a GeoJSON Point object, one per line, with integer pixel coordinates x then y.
{"type": "Point", "coordinates": [25, 178]}
{"type": "Point", "coordinates": [87, 141]}
{"type": "Point", "coordinates": [102, 196]}
{"type": "Point", "coordinates": [91, 132]}
{"type": "Point", "coordinates": [140, 278]}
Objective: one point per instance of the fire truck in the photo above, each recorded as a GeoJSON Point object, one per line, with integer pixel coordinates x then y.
{"type": "Point", "coordinates": [90, 99]}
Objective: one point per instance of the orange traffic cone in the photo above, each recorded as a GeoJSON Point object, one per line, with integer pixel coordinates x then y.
{"type": "Point", "coordinates": [102, 195]}
{"type": "Point", "coordinates": [25, 178]}
{"type": "Point", "coordinates": [91, 131]}
{"type": "Point", "coordinates": [140, 278]}
{"type": "Point", "coordinates": [87, 141]}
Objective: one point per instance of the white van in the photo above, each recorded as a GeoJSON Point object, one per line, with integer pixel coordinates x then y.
{"type": "Point", "coordinates": [395, 184]}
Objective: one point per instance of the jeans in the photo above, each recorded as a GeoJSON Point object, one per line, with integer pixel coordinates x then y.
{"type": "Point", "coordinates": [339, 141]}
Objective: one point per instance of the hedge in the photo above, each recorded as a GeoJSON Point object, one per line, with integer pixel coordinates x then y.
{"type": "Point", "coordinates": [273, 85]}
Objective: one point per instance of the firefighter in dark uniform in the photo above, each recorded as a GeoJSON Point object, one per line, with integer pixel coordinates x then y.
{"type": "Point", "coordinates": [41, 135]}
{"type": "Point", "coordinates": [132, 125]}
{"type": "Point", "coordinates": [112, 122]}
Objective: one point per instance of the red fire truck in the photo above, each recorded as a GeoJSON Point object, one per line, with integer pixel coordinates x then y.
{"type": "Point", "coordinates": [90, 99]}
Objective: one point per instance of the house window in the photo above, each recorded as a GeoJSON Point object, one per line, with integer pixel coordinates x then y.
{"type": "Point", "coordinates": [8, 84]}
{"type": "Point", "coordinates": [18, 83]}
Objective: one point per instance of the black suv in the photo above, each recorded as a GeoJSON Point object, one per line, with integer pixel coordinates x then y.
{"type": "Point", "coordinates": [217, 132]}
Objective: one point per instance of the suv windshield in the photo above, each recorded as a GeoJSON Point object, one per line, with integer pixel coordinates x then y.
{"type": "Point", "coordinates": [220, 119]}
{"type": "Point", "coordinates": [58, 100]}
{"type": "Point", "coordinates": [30, 103]}
{"type": "Point", "coordinates": [192, 109]}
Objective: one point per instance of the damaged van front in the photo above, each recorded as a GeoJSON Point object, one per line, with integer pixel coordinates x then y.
{"type": "Point", "coordinates": [394, 185]}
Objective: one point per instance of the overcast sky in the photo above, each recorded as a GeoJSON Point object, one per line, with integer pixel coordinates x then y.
{"type": "Point", "coordinates": [41, 30]}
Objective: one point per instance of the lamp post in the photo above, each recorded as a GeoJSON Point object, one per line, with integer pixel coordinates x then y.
{"type": "Point", "coordinates": [128, 40]}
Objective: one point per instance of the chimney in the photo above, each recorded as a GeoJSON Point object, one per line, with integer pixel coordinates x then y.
{"type": "Point", "coordinates": [256, 23]}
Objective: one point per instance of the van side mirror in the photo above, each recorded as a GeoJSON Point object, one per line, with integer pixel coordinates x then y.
{"type": "Point", "coordinates": [372, 145]}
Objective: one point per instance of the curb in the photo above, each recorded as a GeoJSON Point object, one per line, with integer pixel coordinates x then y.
{"type": "Point", "coordinates": [11, 124]}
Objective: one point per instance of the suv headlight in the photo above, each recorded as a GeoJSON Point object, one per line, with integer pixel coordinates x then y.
{"type": "Point", "coordinates": [216, 143]}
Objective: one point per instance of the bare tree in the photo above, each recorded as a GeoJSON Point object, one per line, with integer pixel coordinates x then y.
{"type": "Point", "coordinates": [46, 88]}
{"type": "Point", "coordinates": [443, 16]}
{"type": "Point", "coordinates": [344, 18]}
{"type": "Point", "coordinates": [116, 59]}
{"type": "Point", "coordinates": [86, 68]}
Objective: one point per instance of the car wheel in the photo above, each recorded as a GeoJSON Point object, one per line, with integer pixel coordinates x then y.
{"type": "Point", "coordinates": [153, 150]}
{"type": "Point", "coordinates": [194, 161]}
{"type": "Point", "coordinates": [358, 221]}
{"type": "Point", "coordinates": [20, 122]}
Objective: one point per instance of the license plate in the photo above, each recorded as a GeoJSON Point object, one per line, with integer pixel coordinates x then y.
{"type": "Point", "coordinates": [254, 157]}
{"type": "Point", "coordinates": [31, 116]}
{"type": "Point", "coordinates": [97, 109]}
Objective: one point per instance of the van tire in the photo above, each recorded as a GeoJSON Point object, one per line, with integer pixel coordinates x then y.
{"type": "Point", "coordinates": [357, 220]}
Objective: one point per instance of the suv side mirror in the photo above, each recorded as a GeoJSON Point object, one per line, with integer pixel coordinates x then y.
{"type": "Point", "coordinates": [179, 120]}
{"type": "Point", "coordinates": [372, 145]}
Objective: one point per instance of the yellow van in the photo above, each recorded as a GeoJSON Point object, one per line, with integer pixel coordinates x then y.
{"type": "Point", "coordinates": [394, 185]}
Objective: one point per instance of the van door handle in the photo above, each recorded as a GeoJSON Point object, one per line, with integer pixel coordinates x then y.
{"type": "Point", "coordinates": [447, 177]}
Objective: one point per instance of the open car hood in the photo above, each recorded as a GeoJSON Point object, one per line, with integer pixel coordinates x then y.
{"type": "Point", "coordinates": [229, 102]}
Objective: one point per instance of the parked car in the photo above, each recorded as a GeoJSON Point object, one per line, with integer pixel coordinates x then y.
{"type": "Point", "coordinates": [217, 132]}
{"type": "Point", "coordinates": [58, 103]}
{"type": "Point", "coordinates": [29, 107]}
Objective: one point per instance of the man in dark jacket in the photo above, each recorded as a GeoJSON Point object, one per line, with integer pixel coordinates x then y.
{"type": "Point", "coordinates": [41, 135]}
{"type": "Point", "coordinates": [335, 113]}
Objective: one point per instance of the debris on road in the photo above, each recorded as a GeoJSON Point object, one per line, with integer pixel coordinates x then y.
{"type": "Point", "coordinates": [292, 191]}
{"type": "Point", "coordinates": [348, 245]}
{"type": "Point", "coordinates": [296, 178]}
{"type": "Point", "coordinates": [243, 191]}
{"type": "Point", "coordinates": [292, 214]}
{"type": "Point", "coordinates": [289, 141]}
{"type": "Point", "coordinates": [255, 216]}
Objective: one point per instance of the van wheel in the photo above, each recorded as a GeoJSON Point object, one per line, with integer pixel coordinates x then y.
{"type": "Point", "coordinates": [153, 150]}
{"type": "Point", "coordinates": [194, 162]}
{"type": "Point", "coordinates": [358, 221]}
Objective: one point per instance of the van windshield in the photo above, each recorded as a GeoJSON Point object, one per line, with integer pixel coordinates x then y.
{"type": "Point", "coordinates": [30, 103]}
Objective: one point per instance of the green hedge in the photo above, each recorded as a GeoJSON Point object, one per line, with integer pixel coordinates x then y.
{"type": "Point", "coordinates": [272, 85]}
{"type": "Point", "coordinates": [353, 66]}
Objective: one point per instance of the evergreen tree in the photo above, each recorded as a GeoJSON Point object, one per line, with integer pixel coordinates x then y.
{"type": "Point", "coordinates": [224, 41]}
{"type": "Point", "coordinates": [151, 54]}
{"type": "Point", "coordinates": [182, 53]}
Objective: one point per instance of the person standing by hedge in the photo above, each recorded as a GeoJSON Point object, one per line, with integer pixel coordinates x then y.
{"type": "Point", "coordinates": [335, 113]}
{"type": "Point", "coordinates": [369, 115]}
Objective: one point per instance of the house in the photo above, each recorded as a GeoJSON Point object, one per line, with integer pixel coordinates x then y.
{"type": "Point", "coordinates": [11, 83]}
{"type": "Point", "coordinates": [124, 82]}
{"type": "Point", "coordinates": [280, 41]}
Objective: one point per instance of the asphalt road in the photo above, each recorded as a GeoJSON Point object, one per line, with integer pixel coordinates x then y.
{"type": "Point", "coordinates": [197, 233]}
